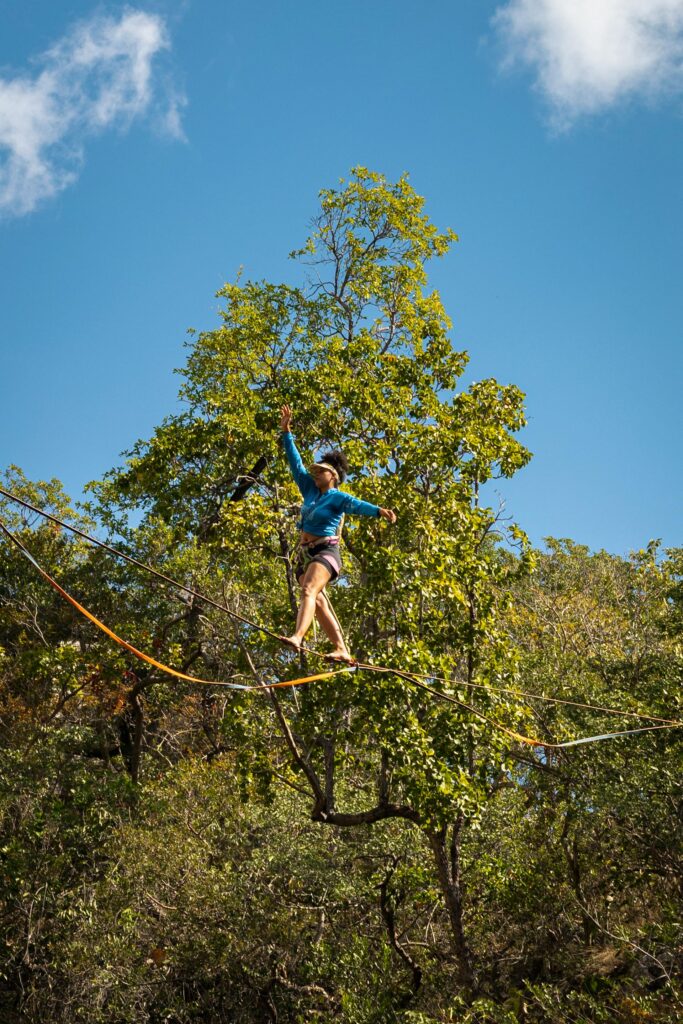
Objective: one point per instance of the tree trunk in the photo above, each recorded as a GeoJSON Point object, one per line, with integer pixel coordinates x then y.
{"type": "Point", "coordinates": [448, 869]}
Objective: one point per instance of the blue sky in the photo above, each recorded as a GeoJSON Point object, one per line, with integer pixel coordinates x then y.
{"type": "Point", "coordinates": [147, 151]}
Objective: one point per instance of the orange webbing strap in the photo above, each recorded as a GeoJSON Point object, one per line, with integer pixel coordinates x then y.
{"type": "Point", "coordinates": [146, 657]}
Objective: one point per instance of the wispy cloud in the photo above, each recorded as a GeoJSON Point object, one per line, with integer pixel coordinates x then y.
{"type": "Point", "coordinates": [100, 75]}
{"type": "Point", "coordinates": [591, 54]}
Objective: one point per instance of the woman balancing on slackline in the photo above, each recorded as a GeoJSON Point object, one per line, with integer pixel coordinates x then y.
{"type": "Point", "coordinates": [319, 561]}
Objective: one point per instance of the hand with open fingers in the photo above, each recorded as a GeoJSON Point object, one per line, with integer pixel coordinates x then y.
{"type": "Point", "coordinates": [388, 514]}
{"type": "Point", "coordinates": [286, 419]}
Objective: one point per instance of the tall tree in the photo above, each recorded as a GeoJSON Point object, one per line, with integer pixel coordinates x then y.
{"type": "Point", "coordinates": [361, 350]}
{"type": "Point", "coordinates": [154, 859]}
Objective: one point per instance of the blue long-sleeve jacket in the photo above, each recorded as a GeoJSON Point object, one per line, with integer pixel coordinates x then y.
{"type": "Point", "coordinates": [321, 514]}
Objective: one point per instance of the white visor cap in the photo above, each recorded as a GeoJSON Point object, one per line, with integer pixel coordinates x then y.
{"type": "Point", "coordinates": [326, 465]}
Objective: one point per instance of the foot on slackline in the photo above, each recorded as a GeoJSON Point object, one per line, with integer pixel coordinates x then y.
{"type": "Point", "coordinates": [292, 641]}
{"type": "Point", "coordinates": [341, 654]}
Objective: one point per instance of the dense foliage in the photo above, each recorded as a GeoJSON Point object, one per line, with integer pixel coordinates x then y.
{"type": "Point", "coordinates": [359, 849]}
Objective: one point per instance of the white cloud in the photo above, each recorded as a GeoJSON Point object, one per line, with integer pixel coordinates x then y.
{"type": "Point", "coordinates": [99, 76]}
{"type": "Point", "coordinates": [590, 54]}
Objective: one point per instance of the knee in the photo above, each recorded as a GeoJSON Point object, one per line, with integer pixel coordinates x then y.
{"type": "Point", "coordinates": [310, 590]}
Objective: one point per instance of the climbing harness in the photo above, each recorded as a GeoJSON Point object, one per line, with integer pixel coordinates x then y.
{"type": "Point", "coordinates": [310, 551]}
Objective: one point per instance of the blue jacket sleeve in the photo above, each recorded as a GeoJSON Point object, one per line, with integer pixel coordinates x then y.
{"type": "Point", "coordinates": [303, 480]}
{"type": "Point", "coordinates": [356, 507]}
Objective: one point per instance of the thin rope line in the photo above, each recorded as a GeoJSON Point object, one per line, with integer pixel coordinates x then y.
{"type": "Point", "coordinates": [142, 565]}
{"type": "Point", "coordinates": [552, 700]}
{"type": "Point", "coordinates": [237, 686]}
{"type": "Point", "coordinates": [415, 678]}
{"type": "Point", "coordinates": [530, 741]}
{"type": "Point", "coordinates": [146, 657]}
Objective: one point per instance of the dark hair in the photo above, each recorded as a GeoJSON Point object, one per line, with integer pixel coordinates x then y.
{"type": "Point", "coordinates": [340, 463]}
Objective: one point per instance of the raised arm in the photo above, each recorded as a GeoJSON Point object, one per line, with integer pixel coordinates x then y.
{"type": "Point", "coordinates": [302, 478]}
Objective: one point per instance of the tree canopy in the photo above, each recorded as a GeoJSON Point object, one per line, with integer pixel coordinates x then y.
{"type": "Point", "coordinates": [358, 849]}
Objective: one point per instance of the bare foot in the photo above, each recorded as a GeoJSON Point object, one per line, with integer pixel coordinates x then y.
{"type": "Point", "coordinates": [292, 641]}
{"type": "Point", "coordinates": [341, 654]}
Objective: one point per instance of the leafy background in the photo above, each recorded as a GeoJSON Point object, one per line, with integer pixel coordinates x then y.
{"type": "Point", "coordinates": [356, 850]}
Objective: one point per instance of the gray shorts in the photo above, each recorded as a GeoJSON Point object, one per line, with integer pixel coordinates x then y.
{"type": "Point", "coordinates": [325, 552]}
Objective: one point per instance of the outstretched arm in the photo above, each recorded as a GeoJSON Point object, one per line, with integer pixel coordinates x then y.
{"type": "Point", "coordinates": [356, 507]}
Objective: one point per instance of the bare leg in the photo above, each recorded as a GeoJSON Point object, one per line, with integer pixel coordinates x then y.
{"type": "Point", "coordinates": [313, 581]}
{"type": "Point", "coordinates": [328, 620]}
